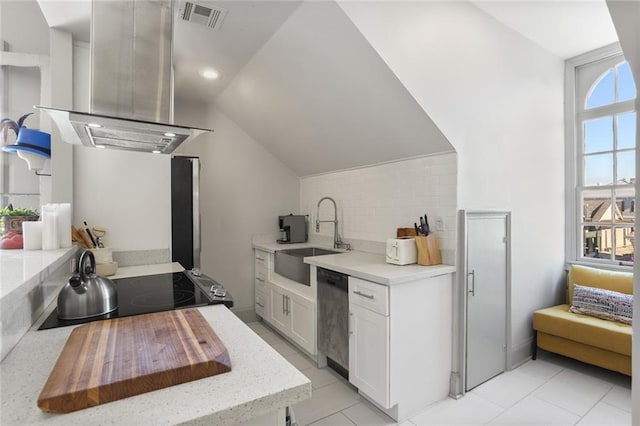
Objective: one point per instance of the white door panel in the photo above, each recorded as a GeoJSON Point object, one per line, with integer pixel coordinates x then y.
{"type": "Point", "coordinates": [369, 353]}
{"type": "Point", "coordinates": [486, 297]}
{"type": "Point", "coordinates": [302, 313]}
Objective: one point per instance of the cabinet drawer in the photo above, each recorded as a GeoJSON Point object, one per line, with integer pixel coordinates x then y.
{"type": "Point", "coordinates": [261, 259]}
{"type": "Point", "coordinates": [260, 302]}
{"type": "Point", "coordinates": [369, 295]}
{"type": "Point", "coordinates": [261, 277]}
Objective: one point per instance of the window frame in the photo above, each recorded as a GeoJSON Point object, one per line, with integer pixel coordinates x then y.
{"type": "Point", "coordinates": [574, 155]}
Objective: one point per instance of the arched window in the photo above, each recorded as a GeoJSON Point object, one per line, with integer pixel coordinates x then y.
{"type": "Point", "coordinates": [605, 154]}
{"type": "Point", "coordinates": [615, 85]}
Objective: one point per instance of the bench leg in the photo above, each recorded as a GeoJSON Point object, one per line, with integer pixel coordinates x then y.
{"type": "Point", "coordinates": [535, 345]}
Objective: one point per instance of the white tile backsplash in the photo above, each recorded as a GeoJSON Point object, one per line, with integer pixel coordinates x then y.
{"type": "Point", "coordinates": [374, 201]}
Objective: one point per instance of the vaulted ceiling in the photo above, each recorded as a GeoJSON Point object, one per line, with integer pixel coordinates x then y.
{"type": "Point", "coordinates": [301, 79]}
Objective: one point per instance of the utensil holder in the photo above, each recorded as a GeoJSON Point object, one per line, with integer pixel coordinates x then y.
{"type": "Point", "coordinates": [428, 250]}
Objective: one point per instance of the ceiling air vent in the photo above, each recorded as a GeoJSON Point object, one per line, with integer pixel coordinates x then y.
{"type": "Point", "coordinates": [204, 14]}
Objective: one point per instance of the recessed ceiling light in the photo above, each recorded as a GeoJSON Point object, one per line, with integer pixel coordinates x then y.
{"type": "Point", "coordinates": [155, 151]}
{"type": "Point", "coordinates": [94, 125]}
{"type": "Point", "coordinates": [210, 74]}
{"type": "Point", "coordinates": [169, 135]}
{"type": "Point", "coordinates": [100, 146]}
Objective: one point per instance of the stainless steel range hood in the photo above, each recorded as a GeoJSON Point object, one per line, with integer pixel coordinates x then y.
{"type": "Point", "coordinates": [131, 81]}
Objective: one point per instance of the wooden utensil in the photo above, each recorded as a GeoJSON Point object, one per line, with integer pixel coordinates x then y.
{"type": "Point", "coordinates": [75, 235]}
{"type": "Point", "coordinates": [104, 361]}
{"type": "Point", "coordinates": [85, 238]}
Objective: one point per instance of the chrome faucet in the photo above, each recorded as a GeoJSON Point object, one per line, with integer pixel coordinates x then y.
{"type": "Point", "coordinates": [337, 240]}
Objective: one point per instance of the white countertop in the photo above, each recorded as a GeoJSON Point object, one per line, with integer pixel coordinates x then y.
{"type": "Point", "coordinates": [368, 266]}
{"type": "Point", "coordinates": [272, 246]}
{"type": "Point", "coordinates": [142, 270]}
{"type": "Point", "coordinates": [29, 267]}
{"type": "Point", "coordinates": [260, 381]}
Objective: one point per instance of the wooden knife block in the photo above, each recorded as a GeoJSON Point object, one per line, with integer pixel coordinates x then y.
{"type": "Point", "coordinates": [428, 250]}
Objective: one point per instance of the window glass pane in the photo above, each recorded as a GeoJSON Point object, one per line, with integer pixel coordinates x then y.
{"type": "Point", "coordinates": [626, 86]}
{"type": "Point", "coordinates": [625, 205]}
{"type": "Point", "coordinates": [596, 205]}
{"type": "Point", "coordinates": [626, 167]}
{"type": "Point", "coordinates": [598, 135]}
{"type": "Point", "coordinates": [598, 169]}
{"type": "Point", "coordinates": [626, 130]}
{"type": "Point", "coordinates": [602, 93]}
{"type": "Point", "coordinates": [624, 243]}
{"type": "Point", "coordinates": [596, 242]}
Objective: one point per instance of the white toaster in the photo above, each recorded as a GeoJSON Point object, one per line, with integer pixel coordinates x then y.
{"type": "Point", "coordinates": [402, 251]}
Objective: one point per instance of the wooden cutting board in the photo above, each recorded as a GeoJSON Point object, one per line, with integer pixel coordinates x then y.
{"type": "Point", "coordinates": [104, 361]}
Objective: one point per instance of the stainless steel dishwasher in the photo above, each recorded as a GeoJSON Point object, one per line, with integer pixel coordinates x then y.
{"type": "Point", "coordinates": [333, 319]}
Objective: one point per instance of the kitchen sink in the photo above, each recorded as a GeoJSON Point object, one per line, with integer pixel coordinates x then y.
{"type": "Point", "coordinates": [289, 263]}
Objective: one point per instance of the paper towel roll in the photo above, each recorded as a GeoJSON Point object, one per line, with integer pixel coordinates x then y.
{"type": "Point", "coordinates": [32, 235]}
{"type": "Point", "coordinates": [50, 239]}
{"type": "Point", "coordinates": [64, 224]}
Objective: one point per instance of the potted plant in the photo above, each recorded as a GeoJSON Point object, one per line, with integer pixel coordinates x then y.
{"type": "Point", "coordinates": [8, 124]}
{"type": "Point", "coordinates": [12, 218]}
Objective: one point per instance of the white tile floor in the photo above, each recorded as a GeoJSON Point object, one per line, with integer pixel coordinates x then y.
{"type": "Point", "coordinates": [551, 390]}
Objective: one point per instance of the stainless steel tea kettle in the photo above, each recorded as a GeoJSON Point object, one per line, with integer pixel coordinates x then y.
{"type": "Point", "coordinates": [87, 294]}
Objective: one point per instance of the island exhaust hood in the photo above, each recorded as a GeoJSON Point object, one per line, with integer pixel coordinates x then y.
{"type": "Point", "coordinates": [131, 81]}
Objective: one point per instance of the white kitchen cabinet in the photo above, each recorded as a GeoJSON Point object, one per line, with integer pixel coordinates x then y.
{"type": "Point", "coordinates": [261, 275]}
{"type": "Point", "coordinates": [278, 316]}
{"type": "Point", "coordinates": [369, 353]}
{"type": "Point", "coordinates": [303, 325]}
{"type": "Point", "coordinates": [400, 343]}
{"type": "Point", "coordinates": [291, 312]}
{"type": "Point", "coordinates": [293, 315]}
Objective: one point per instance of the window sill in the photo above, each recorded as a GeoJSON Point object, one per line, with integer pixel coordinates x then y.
{"type": "Point", "coordinates": [598, 265]}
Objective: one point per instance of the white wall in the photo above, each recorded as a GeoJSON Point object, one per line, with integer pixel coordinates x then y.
{"type": "Point", "coordinates": [373, 201]}
{"type": "Point", "coordinates": [626, 16]}
{"type": "Point", "coordinates": [128, 193]}
{"type": "Point", "coordinates": [498, 98]}
{"type": "Point", "coordinates": [23, 89]}
{"type": "Point", "coordinates": [243, 190]}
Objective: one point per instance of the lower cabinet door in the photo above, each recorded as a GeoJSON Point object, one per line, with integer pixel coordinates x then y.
{"type": "Point", "coordinates": [369, 353]}
{"type": "Point", "coordinates": [277, 313]}
{"type": "Point", "coordinates": [302, 315]}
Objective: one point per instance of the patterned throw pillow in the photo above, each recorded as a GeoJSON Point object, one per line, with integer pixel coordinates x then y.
{"type": "Point", "coordinates": [601, 303]}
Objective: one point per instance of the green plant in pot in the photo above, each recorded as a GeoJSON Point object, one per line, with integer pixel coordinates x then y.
{"type": "Point", "coordinates": [12, 218]}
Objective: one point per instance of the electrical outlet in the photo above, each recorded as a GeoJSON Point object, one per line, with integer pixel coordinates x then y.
{"type": "Point", "coordinates": [439, 224]}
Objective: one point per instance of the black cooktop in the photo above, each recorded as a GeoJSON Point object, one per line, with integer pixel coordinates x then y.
{"type": "Point", "coordinates": [155, 293]}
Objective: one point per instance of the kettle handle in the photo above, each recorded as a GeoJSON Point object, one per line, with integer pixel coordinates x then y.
{"type": "Point", "coordinates": [92, 270]}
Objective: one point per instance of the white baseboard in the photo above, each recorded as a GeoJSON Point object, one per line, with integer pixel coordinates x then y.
{"type": "Point", "coordinates": [520, 354]}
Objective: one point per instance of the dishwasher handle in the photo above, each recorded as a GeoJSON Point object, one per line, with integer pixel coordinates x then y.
{"type": "Point", "coordinates": [333, 278]}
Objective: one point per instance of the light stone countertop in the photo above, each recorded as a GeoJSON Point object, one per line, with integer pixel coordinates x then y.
{"type": "Point", "coordinates": [367, 266]}
{"type": "Point", "coordinates": [28, 268]}
{"type": "Point", "coordinates": [261, 381]}
{"type": "Point", "coordinates": [142, 270]}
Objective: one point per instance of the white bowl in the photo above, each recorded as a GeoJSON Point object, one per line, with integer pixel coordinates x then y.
{"type": "Point", "coordinates": [106, 269]}
{"type": "Point", "coordinates": [102, 255]}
